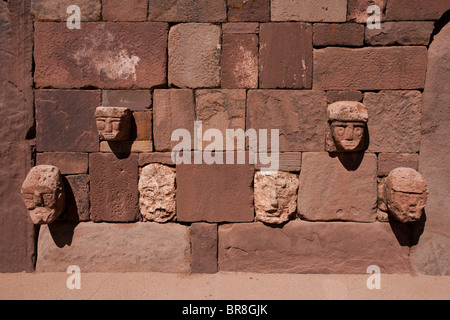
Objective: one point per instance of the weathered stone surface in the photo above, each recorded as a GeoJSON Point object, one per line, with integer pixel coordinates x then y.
{"type": "Point", "coordinates": [248, 10]}
{"type": "Point", "coordinates": [65, 124]}
{"type": "Point", "coordinates": [343, 34]}
{"type": "Point", "coordinates": [187, 10]}
{"type": "Point", "coordinates": [43, 194]}
{"type": "Point", "coordinates": [77, 198]}
{"type": "Point", "coordinates": [416, 9]}
{"type": "Point", "coordinates": [144, 125]}
{"type": "Point", "coordinates": [403, 33]}
{"type": "Point", "coordinates": [431, 256]}
{"type": "Point", "coordinates": [337, 187]}
{"type": "Point", "coordinates": [194, 55]}
{"type": "Point", "coordinates": [172, 109]}
{"type": "Point", "coordinates": [204, 247]}
{"type": "Point", "coordinates": [370, 68]}
{"type": "Point", "coordinates": [155, 157]}
{"type": "Point", "coordinates": [335, 95]}
{"type": "Point", "coordinates": [305, 247]}
{"type": "Point", "coordinates": [357, 10]}
{"type": "Point", "coordinates": [285, 55]}
{"type": "Point", "coordinates": [157, 193]}
{"type": "Point", "coordinates": [113, 123]}
{"type": "Point", "coordinates": [103, 55]}
{"type": "Point", "coordinates": [17, 232]}
{"type": "Point", "coordinates": [239, 61]}
{"type": "Point", "coordinates": [215, 193]}
{"type": "Point", "coordinates": [56, 10]}
{"type": "Point", "coordinates": [119, 10]}
{"type": "Point", "coordinates": [309, 10]}
{"type": "Point", "coordinates": [287, 162]}
{"type": "Point", "coordinates": [67, 162]}
{"type": "Point", "coordinates": [132, 99]}
{"type": "Point", "coordinates": [126, 147]}
{"type": "Point", "coordinates": [435, 128]}
{"type": "Point", "coordinates": [220, 109]}
{"type": "Point", "coordinates": [389, 161]}
{"type": "Point", "coordinates": [114, 247]}
{"type": "Point", "coordinates": [240, 27]}
{"type": "Point", "coordinates": [275, 196]}
{"type": "Point", "coordinates": [299, 115]}
{"type": "Point", "coordinates": [394, 121]}
{"type": "Point", "coordinates": [114, 193]}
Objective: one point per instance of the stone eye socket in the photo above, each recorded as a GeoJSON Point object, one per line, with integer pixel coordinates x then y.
{"type": "Point", "coordinates": [100, 124]}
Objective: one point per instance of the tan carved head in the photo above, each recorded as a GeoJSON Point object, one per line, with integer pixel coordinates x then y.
{"type": "Point", "coordinates": [43, 194]}
{"type": "Point", "coordinates": [113, 123]}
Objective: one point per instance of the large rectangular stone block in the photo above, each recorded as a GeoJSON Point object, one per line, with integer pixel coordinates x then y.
{"type": "Point", "coordinates": [370, 68]}
{"type": "Point", "coordinates": [300, 117]}
{"type": "Point", "coordinates": [114, 192]}
{"type": "Point", "coordinates": [215, 193]}
{"type": "Point", "coordinates": [319, 247]}
{"type": "Point", "coordinates": [112, 247]}
{"type": "Point", "coordinates": [309, 10]}
{"type": "Point", "coordinates": [130, 10]}
{"type": "Point", "coordinates": [343, 34]}
{"type": "Point", "coordinates": [187, 10]}
{"type": "Point", "coordinates": [56, 10]}
{"type": "Point", "coordinates": [65, 120]}
{"type": "Point", "coordinates": [67, 162]}
{"type": "Point", "coordinates": [285, 55]}
{"type": "Point", "coordinates": [248, 10]}
{"type": "Point", "coordinates": [416, 9]}
{"type": "Point", "coordinates": [103, 55]}
{"type": "Point", "coordinates": [204, 247]}
{"type": "Point", "coordinates": [338, 187]}
{"type": "Point", "coordinates": [403, 33]}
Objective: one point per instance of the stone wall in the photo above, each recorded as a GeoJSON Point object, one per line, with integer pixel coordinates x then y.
{"type": "Point", "coordinates": [231, 64]}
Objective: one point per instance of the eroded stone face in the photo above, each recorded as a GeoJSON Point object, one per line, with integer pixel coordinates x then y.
{"type": "Point", "coordinates": [43, 194]}
{"type": "Point", "coordinates": [275, 196]}
{"type": "Point", "coordinates": [405, 194]}
{"type": "Point", "coordinates": [157, 193]}
{"type": "Point", "coordinates": [113, 123]}
{"type": "Point", "coordinates": [348, 127]}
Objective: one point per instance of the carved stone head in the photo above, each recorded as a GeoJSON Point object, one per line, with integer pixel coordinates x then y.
{"type": "Point", "coordinates": [113, 123]}
{"type": "Point", "coordinates": [348, 127]}
{"type": "Point", "coordinates": [43, 194]}
{"type": "Point", "coordinates": [275, 196]}
{"type": "Point", "coordinates": [405, 194]}
{"type": "Point", "coordinates": [157, 193]}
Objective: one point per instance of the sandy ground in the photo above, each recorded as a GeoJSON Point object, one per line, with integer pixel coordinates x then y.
{"type": "Point", "coordinates": [220, 286]}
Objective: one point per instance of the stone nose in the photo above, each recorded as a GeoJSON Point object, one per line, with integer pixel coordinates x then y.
{"type": "Point", "coordinates": [348, 135]}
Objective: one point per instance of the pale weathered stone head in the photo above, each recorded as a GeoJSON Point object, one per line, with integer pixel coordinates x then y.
{"type": "Point", "coordinates": [157, 193]}
{"type": "Point", "coordinates": [43, 194]}
{"type": "Point", "coordinates": [275, 195]}
{"type": "Point", "coordinates": [405, 194]}
{"type": "Point", "coordinates": [348, 126]}
{"type": "Point", "coordinates": [113, 123]}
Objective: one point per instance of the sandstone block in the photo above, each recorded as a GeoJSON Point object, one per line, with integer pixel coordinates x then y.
{"type": "Point", "coordinates": [431, 255]}
{"type": "Point", "coordinates": [285, 55]}
{"type": "Point", "coordinates": [67, 162]}
{"type": "Point", "coordinates": [155, 157]}
{"type": "Point", "coordinates": [305, 247]}
{"type": "Point", "coordinates": [357, 10]}
{"type": "Point", "coordinates": [335, 95]}
{"type": "Point", "coordinates": [338, 187]}
{"type": "Point", "coordinates": [300, 117]}
{"type": "Point", "coordinates": [404, 33]}
{"type": "Point", "coordinates": [144, 127]}
{"type": "Point", "coordinates": [389, 161]}
{"type": "Point", "coordinates": [215, 193]}
{"type": "Point", "coordinates": [370, 68]}
{"type": "Point", "coordinates": [65, 124]}
{"type": "Point", "coordinates": [220, 109]}
{"type": "Point", "coordinates": [56, 10]}
{"type": "Point", "coordinates": [394, 121]}
{"type": "Point", "coordinates": [126, 147]}
{"type": "Point", "coordinates": [240, 27]}
{"type": "Point", "coordinates": [77, 197]}
{"type": "Point", "coordinates": [172, 109]}
{"type": "Point", "coordinates": [102, 55]}
{"type": "Point", "coordinates": [416, 9]}
{"type": "Point", "coordinates": [132, 99]}
{"type": "Point", "coordinates": [287, 162]}
{"type": "Point", "coordinates": [114, 247]}
{"type": "Point", "coordinates": [204, 247]}
{"type": "Point", "coordinates": [248, 10]}
{"type": "Point", "coordinates": [240, 61]}
{"type": "Point", "coordinates": [187, 10]}
{"type": "Point", "coordinates": [309, 10]}
{"type": "Point", "coordinates": [343, 34]}
{"type": "Point", "coordinates": [114, 193]}
{"type": "Point", "coordinates": [194, 55]}
{"type": "Point", "coordinates": [119, 10]}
